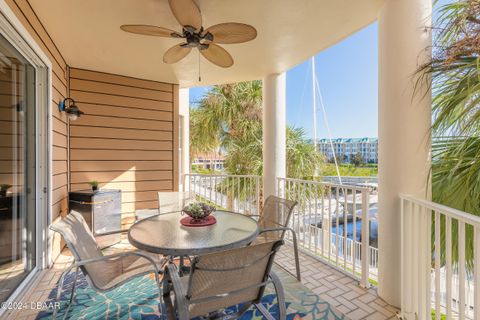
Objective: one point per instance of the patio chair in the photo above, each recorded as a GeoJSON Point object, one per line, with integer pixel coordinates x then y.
{"type": "Point", "coordinates": [173, 201]}
{"type": "Point", "coordinates": [167, 202]}
{"type": "Point", "coordinates": [273, 222]}
{"type": "Point", "coordinates": [221, 280]}
{"type": "Point", "coordinates": [103, 273]}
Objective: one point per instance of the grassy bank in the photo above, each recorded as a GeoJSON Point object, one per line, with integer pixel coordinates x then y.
{"type": "Point", "coordinates": [350, 170]}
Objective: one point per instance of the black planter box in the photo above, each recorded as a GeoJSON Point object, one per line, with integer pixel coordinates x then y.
{"type": "Point", "coordinates": [102, 210]}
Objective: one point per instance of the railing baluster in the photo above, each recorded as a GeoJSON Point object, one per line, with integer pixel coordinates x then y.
{"type": "Point", "coordinates": [427, 262]}
{"type": "Point", "coordinates": [476, 272]}
{"type": "Point", "coordinates": [329, 227]}
{"type": "Point", "coordinates": [345, 225]}
{"type": "Point", "coordinates": [437, 266]}
{"type": "Point", "coordinates": [316, 221]}
{"type": "Point", "coordinates": [448, 266]}
{"type": "Point", "coordinates": [402, 256]}
{"type": "Point", "coordinates": [337, 207]}
{"type": "Point", "coordinates": [309, 197]}
{"type": "Point", "coordinates": [257, 186]}
{"type": "Point", "coordinates": [461, 268]}
{"type": "Point", "coordinates": [354, 223]}
{"type": "Point", "coordinates": [365, 239]}
{"type": "Point", "coordinates": [416, 256]}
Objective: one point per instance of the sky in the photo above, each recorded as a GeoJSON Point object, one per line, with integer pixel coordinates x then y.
{"type": "Point", "coordinates": [349, 66]}
{"type": "Point", "coordinates": [348, 77]}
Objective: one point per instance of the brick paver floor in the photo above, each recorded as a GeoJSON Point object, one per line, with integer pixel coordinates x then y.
{"type": "Point", "coordinates": [341, 291]}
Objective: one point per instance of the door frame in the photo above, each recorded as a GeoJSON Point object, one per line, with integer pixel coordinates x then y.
{"type": "Point", "coordinates": [13, 30]}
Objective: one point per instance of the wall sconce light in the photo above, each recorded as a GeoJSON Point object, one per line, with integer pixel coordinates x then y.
{"type": "Point", "coordinates": [72, 110]}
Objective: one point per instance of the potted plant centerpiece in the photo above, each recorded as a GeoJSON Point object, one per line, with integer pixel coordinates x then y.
{"type": "Point", "coordinates": [94, 185]}
{"type": "Point", "coordinates": [3, 189]}
{"type": "Point", "coordinates": [198, 213]}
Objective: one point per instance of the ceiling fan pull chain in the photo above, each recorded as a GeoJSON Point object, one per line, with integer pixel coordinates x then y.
{"type": "Point", "coordinates": [199, 74]}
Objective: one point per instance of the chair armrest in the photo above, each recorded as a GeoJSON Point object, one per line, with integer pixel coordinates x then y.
{"type": "Point", "coordinates": [115, 256]}
{"type": "Point", "coordinates": [277, 229]}
{"type": "Point", "coordinates": [171, 280]}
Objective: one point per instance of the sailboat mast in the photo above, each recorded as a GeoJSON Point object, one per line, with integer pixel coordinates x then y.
{"type": "Point", "coordinates": [314, 96]}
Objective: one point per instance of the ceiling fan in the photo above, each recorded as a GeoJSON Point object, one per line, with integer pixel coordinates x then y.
{"type": "Point", "coordinates": [206, 41]}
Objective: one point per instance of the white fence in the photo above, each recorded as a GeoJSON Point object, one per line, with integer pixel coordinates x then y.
{"type": "Point", "coordinates": [239, 193]}
{"type": "Point", "coordinates": [440, 261]}
{"type": "Point", "coordinates": [318, 219]}
{"type": "Point", "coordinates": [322, 219]}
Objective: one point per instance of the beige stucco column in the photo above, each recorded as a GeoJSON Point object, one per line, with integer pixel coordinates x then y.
{"type": "Point", "coordinates": [274, 134]}
{"type": "Point", "coordinates": [404, 120]}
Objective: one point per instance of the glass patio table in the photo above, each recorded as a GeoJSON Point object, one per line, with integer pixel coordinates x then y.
{"type": "Point", "coordinates": [165, 235]}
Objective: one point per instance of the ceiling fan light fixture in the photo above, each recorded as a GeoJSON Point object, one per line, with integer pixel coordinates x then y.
{"type": "Point", "coordinates": [206, 40]}
{"type": "Point", "coordinates": [208, 36]}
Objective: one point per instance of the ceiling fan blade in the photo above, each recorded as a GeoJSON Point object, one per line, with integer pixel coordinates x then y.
{"type": "Point", "coordinates": [232, 32]}
{"type": "Point", "coordinates": [147, 30]}
{"type": "Point", "coordinates": [175, 54]}
{"type": "Point", "coordinates": [186, 12]}
{"type": "Point", "coordinates": [217, 55]}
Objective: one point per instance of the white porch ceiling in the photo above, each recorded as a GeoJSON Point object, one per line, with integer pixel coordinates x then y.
{"type": "Point", "coordinates": [88, 34]}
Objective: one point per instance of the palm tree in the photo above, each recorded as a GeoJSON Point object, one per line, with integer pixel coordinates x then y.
{"type": "Point", "coordinates": [455, 73]}
{"type": "Point", "coordinates": [230, 117]}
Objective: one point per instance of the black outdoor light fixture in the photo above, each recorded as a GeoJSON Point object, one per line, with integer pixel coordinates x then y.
{"type": "Point", "coordinates": [72, 110]}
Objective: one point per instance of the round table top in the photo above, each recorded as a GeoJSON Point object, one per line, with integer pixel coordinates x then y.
{"type": "Point", "coordinates": [165, 235]}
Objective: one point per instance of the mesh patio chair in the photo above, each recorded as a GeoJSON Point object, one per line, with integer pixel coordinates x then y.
{"type": "Point", "coordinates": [173, 201]}
{"type": "Point", "coordinates": [103, 273]}
{"type": "Point", "coordinates": [167, 202]}
{"type": "Point", "coordinates": [221, 280]}
{"type": "Point", "coordinates": [273, 222]}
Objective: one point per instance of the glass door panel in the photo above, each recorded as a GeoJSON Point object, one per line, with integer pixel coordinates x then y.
{"type": "Point", "coordinates": [17, 169]}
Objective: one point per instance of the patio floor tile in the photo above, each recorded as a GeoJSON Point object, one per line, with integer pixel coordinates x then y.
{"type": "Point", "coordinates": [331, 285]}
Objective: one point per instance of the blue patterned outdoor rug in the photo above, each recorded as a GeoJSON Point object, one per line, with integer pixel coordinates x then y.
{"type": "Point", "coordinates": [138, 299]}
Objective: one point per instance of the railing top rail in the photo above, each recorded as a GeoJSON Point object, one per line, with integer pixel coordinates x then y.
{"type": "Point", "coordinates": [327, 184]}
{"type": "Point", "coordinates": [440, 208]}
{"type": "Point", "coordinates": [221, 175]}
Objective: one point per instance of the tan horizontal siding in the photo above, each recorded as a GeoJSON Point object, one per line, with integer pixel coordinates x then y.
{"type": "Point", "coordinates": [119, 90]}
{"type": "Point", "coordinates": [121, 176]}
{"type": "Point", "coordinates": [115, 133]}
{"type": "Point", "coordinates": [95, 166]}
{"type": "Point", "coordinates": [139, 196]}
{"type": "Point", "coordinates": [119, 144]}
{"type": "Point", "coordinates": [125, 140]}
{"type": "Point", "coordinates": [115, 122]}
{"type": "Point", "coordinates": [100, 98]}
{"type": "Point", "coordinates": [59, 166]}
{"type": "Point", "coordinates": [102, 155]}
{"type": "Point", "coordinates": [125, 112]}
{"type": "Point", "coordinates": [117, 79]}
{"type": "Point", "coordinates": [131, 186]}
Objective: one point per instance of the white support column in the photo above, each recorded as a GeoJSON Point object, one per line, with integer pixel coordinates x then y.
{"type": "Point", "coordinates": [274, 132]}
{"type": "Point", "coordinates": [184, 127]}
{"type": "Point", "coordinates": [404, 122]}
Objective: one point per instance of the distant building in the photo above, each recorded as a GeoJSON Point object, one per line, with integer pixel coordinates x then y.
{"type": "Point", "coordinates": [210, 161]}
{"type": "Point", "coordinates": [346, 149]}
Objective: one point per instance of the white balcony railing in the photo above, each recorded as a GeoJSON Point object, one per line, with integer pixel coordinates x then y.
{"type": "Point", "coordinates": [239, 193]}
{"type": "Point", "coordinates": [440, 257]}
{"type": "Point", "coordinates": [332, 224]}
{"type": "Point", "coordinates": [318, 219]}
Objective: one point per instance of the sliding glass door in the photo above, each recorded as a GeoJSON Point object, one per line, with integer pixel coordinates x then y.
{"type": "Point", "coordinates": [17, 169]}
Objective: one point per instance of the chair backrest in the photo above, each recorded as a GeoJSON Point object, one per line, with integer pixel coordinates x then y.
{"type": "Point", "coordinates": [276, 213]}
{"type": "Point", "coordinates": [83, 246]}
{"type": "Point", "coordinates": [231, 277]}
{"type": "Point", "coordinates": [173, 201]}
